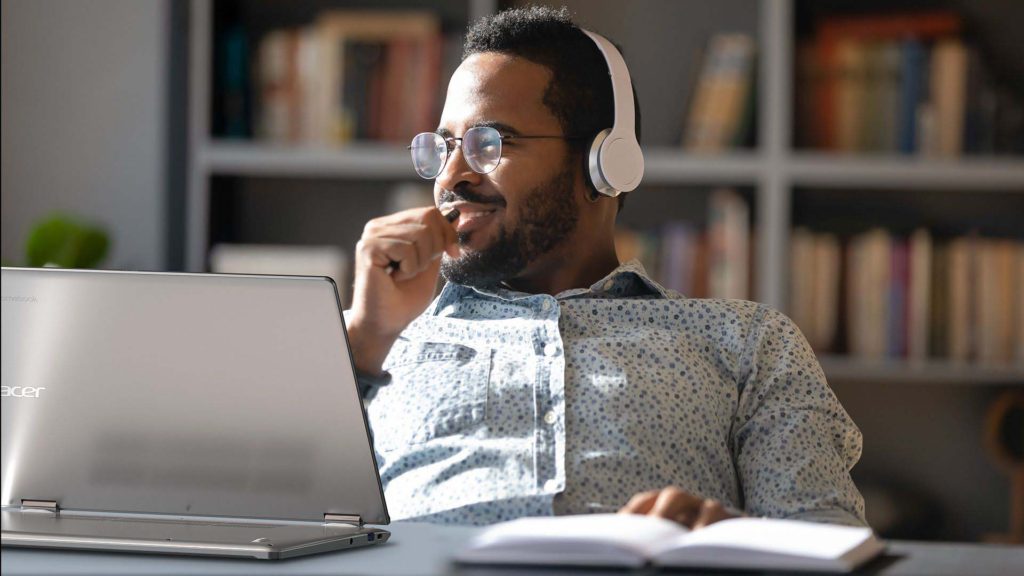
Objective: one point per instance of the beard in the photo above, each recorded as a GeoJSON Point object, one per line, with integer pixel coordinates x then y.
{"type": "Point", "coordinates": [548, 215]}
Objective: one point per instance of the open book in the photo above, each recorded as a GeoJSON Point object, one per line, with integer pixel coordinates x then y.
{"type": "Point", "coordinates": [632, 540]}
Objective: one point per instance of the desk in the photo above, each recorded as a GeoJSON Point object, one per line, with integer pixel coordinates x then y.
{"type": "Point", "coordinates": [425, 549]}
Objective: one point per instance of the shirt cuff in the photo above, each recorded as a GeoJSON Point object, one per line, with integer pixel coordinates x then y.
{"type": "Point", "coordinates": [368, 383]}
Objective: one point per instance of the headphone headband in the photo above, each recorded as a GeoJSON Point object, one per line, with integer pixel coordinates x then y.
{"type": "Point", "coordinates": [616, 161]}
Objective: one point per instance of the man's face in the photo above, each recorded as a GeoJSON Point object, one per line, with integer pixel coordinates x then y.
{"type": "Point", "coordinates": [526, 207]}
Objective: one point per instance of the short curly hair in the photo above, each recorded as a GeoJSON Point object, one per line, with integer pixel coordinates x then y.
{"type": "Point", "coordinates": [580, 92]}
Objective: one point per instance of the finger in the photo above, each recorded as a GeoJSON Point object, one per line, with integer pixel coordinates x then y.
{"type": "Point", "coordinates": [428, 242]}
{"type": "Point", "coordinates": [430, 237]}
{"type": "Point", "coordinates": [675, 504]}
{"type": "Point", "coordinates": [711, 511]}
{"type": "Point", "coordinates": [449, 237]}
{"type": "Point", "coordinates": [382, 252]}
{"type": "Point", "coordinates": [640, 503]}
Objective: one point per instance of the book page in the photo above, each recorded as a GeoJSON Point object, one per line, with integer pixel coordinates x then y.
{"type": "Point", "coordinates": [596, 539]}
{"type": "Point", "coordinates": [791, 543]}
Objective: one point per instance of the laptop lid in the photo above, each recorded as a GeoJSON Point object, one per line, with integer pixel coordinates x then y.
{"type": "Point", "coordinates": [182, 394]}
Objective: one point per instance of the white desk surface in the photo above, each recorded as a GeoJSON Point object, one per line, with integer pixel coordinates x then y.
{"type": "Point", "coordinates": [425, 549]}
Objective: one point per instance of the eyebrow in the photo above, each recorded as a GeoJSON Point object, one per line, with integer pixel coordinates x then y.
{"type": "Point", "coordinates": [499, 126]}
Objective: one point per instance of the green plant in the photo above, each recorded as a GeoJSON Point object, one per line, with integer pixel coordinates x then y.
{"type": "Point", "coordinates": [65, 242]}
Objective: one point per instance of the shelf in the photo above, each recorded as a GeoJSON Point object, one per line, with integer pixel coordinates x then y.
{"type": "Point", "coordinates": [369, 161]}
{"type": "Point", "coordinates": [674, 166]}
{"type": "Point", "coordinates": [386, 161]}
{"type": "Point", "coordinates": [931, 372]}
{"type": "Point", "coordinates": [663, 166]}
{"type": "Point", "coordinates": [970, 174]}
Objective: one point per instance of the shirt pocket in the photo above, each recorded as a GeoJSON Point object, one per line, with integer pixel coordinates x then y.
{"type": "Point", "coordinates": [437, 390]}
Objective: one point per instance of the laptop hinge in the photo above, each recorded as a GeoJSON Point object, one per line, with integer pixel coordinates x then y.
{"type": "Point", "coordinates": [40, 505]}
{"type": "Point", "coordinates": [353, 519]}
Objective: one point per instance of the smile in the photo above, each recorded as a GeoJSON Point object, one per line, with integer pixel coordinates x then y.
{"type": "Point", "coordinates": [470, 220]}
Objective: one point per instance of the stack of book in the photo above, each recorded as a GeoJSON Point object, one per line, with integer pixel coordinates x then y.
{"type": "Point", "coordinates": [712, 261]}
{"type": "Point", "coordinates": [350, 75]}
{"type": "Point", "coordinates": [910, 297]}
{"type": "Point", "coordinates": [721, 110]}
{"type": "Point", "coordinates": [902, 83]}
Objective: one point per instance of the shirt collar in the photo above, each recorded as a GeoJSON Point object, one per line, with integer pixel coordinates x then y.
{"type": "Point", "coordinates": [630, 279]}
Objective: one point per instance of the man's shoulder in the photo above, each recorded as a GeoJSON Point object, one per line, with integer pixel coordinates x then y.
{"type": "Point", "coordinates": [723, 307]}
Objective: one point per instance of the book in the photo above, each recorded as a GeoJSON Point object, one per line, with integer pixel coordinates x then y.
{"type": "Point", "coordinates": [628, 540]}
{"type": "Point", "coordinates": [814, 286]}
{"type": "Point", "coordinates": [919, 307]}
{"type": "Point", "coordinates": [938, 338]}
{"type": "Point", "coordinates": [960, 326]}
{"type": "Point", "coordinates": [911, 297]}
{"type": "Point", "coordinates": [949, 94]}
{"type": "Point", "coordinates": [899, 281]}
{"type": "Point", "coordinates": [728, 245]}
{"type": "Point", "coordinates": [277, 84]}
{"type": "Point", "coordinates": [868, 297]}
{"type": "Point", "coordinates": [825, 288]}
{"type": "Point", "coordinates": [850, 94]}
{"type": "Point", "coordinates": [678, 256]}
{"type": "Point", "coordinates": [231, 83]}
{"type": "Point", "coordinates": [833, 90]}
{"type": "Point", "coordinates": [325, 83]}
{"type": "Point", "coordinates": [912, 93]}
{"type": "Point", "coordinates": [721, 99]}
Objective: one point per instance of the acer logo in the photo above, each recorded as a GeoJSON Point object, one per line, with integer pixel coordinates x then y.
{"type": "Point", "coordinates": [20, 299]}
{"type": "Point", "coordinates": [21, 391]}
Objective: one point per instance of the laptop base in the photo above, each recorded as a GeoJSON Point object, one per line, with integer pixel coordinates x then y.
{"type": "Point", "coordinates": [180, 535]}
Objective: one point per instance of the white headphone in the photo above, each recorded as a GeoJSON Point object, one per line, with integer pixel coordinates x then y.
{"type": "Point", "coordinates": [616, 162]}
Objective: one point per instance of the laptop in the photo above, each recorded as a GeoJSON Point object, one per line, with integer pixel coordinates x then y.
{"type": "Point", "coordinates": [201, 414]}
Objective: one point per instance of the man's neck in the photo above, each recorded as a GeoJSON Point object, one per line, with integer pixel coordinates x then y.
{"type": "Point", "coordinates": [566, 270]}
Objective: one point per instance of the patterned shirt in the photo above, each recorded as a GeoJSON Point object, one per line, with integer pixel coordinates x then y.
{"type": "Point", "coordinates": [503, 404]}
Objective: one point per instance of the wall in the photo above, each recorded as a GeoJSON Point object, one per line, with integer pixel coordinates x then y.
{"type": "Point", "coordinates": [83, 121]}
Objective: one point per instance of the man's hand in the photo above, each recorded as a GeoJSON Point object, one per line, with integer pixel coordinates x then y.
{"type": "Point", "coordinates": [398, 260]}
{"type": "Point", "coordinates": [679, 506]}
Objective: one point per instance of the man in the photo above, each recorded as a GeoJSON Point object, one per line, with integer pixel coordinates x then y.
{"type": "Point", "coordinates": [546, 377]}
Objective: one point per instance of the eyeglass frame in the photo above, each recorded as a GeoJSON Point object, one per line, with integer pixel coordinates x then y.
{"type": "Point", "coordinates": [450, 146]}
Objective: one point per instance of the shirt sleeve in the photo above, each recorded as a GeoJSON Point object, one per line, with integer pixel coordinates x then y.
{"type": "Point", "coordinates": [793, 442]}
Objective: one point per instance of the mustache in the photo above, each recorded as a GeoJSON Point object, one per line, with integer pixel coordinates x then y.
{"type": "Point", "coordinates": [466, 195]}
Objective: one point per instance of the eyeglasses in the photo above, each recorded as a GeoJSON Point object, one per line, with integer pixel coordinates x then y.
{"type": "Point", "coordinates": [481, 147]}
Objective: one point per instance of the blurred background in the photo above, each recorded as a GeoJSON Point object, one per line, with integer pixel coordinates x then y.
{"type": "Point", "coordinates": [857, 164]}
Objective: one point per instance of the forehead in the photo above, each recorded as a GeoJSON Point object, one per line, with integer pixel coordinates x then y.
{"type": "Point", "coordinates": [493, 87]}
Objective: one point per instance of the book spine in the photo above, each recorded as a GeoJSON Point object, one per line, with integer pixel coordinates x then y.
{"type": "Point", "coordinates": [912, 93]}
{"type": "Point", "coordinates": [948, 92]}
{"type": "Point", "coordinates": [920, 301]}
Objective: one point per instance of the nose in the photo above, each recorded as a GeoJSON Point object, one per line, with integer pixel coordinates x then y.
{"type": "Point", "coordinates": [456, 171]}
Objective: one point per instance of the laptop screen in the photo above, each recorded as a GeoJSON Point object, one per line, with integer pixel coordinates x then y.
{"type": "Point", "coordinates": [190, 394]}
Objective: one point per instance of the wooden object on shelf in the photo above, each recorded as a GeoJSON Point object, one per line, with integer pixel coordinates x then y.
{"type": "Point", "coordinates": [1004, 439]}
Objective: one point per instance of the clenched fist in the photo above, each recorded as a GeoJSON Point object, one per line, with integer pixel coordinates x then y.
{"type": "Point", "coordinates": [398, 260]}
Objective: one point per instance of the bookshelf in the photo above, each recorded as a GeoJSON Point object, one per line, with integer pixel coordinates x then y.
{"type": "Point", "coordinates": [928, 373]}
{"type": "Point", "coordinates": [917, 416]}
{"type": "Point", "coordinates": [771, 172]}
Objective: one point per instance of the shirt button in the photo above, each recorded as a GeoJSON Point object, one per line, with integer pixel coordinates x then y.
{"type": "Point", "coordinates": [608, 285]}
{"type": "Point", "coordinates": [551, 485]}
{"type": "Point", "coordinates": [545, 305]}
{"type": "Point", "coordinates": [551, 349]}
{"type": "Point", "coordinates": [550, 417]}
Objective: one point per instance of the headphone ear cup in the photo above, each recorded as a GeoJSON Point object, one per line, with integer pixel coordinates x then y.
{"type": "Point", "coordinates": [594, 164]}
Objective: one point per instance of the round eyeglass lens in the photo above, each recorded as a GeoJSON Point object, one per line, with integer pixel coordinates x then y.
{"type": "Point", "coordinates": [482, 147]}
{"type": "Point", "coordinates": [429, 151]}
